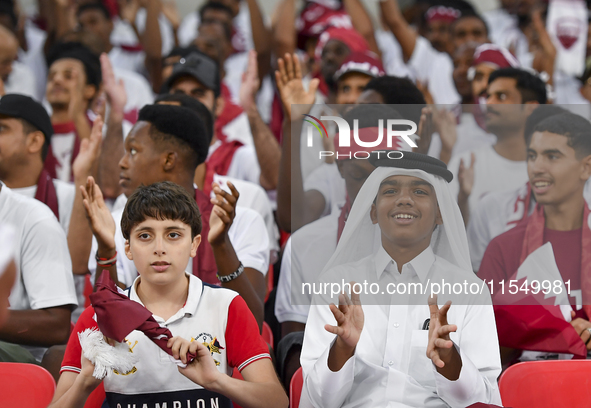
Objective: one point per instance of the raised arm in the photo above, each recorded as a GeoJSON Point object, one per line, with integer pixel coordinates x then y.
{"type": "Point", "coordinates": [79, 232]}
{"type": "Point", "coordinates": [251, 283]}
{"type": "Point", "coordinates": [265, 144]}
{"type": "Point", "coordinates": [283, 28]}
{"type": "Point", "coordinates": [362, 23]}
{"type": "Point", "coordinates": [403, 32]}
{"type": "Point", "coordinates": [292, 92]}
{"type": "Point", "coordinates": [113, 150]}
{"type": "Point", "coordinates": [261, 36]}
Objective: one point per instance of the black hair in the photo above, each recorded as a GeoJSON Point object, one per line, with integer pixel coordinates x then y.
{"type": "Point", "coordinates": [7, 8]}
{"type": "Point", "coordinates": [529, 85]}
{"type": "Point", "coordinates": [181, 127]}
{"type": "Point", "coordinates": [538, 115]}
{"type": "Point", "coordinates": [401, 92]}
{"type": "Point", "coordinates": [93, 6]}
{"type": "Point", "coordinates": [576, 129]}
{"type": "Point", "coordinates": [78, 51]}
{"type": "Point", "coordinates": [472, 15]}
{"type": "Point", "coordinates": [212, 5]}
{"type": "Point", "coordinates": [163, 201]}
{"type": "Point", "coordinates": [368, 115]}
{"type": "Point", "coordinates": [193, 104]}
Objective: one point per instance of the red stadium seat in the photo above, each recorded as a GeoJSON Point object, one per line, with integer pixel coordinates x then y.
{"type": "Point", "coordinates": [25, 385]}
{"type": "Point", "coordinates": [295, 389]}
{"type": "Point", "coordinates": [267, 334]}
{"type": "Point", "coordinates": [557, 383]}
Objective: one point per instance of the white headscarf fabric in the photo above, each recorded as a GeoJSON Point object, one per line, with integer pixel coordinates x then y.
{"type": "Point", "coordinates": [361, 237]}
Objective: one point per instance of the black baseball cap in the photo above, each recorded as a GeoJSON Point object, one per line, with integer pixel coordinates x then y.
{"type": "Point", "coordinates": [200, 67]}
{"type": "Point", "coordinates": [25, 107]}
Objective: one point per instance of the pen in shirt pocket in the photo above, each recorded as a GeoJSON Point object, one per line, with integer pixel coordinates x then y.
{"type": "Point", "coordinates": [426, 324]}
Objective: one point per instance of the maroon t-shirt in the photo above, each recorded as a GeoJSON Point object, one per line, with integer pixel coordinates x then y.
{"type": "Point", "coordinates": [502, 256]}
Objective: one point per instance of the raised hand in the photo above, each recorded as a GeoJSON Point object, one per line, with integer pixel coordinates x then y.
{"type": "Point", "coordinates": [100, 218]}
{"type": "Point", "coordinates": [466, 176]}
{"type": "Point", "coordinates": [289, 82]}
{"type": "Point", "coordinates": [2, 91]}
{"type": "Point", "coordinates": [90, 150]}
{"type": "Point", "coordinates": [128, 10]}
{"type": "Point", "coordinates": [250, 82]}
{"type": "Point", "coordinates": [223, 213]}
{"type": "Point", "coordinates": [171, 12]}
{"type": "Point", "coordinates": [439, 348]}
{"type": "Point", "coordinates": [202, 370]}
{"type": "Point", "coordinates": [114, 90]}
{"type": "Point", "coordinates": [583, 328]}
{"type": "Point", "coordinates": [350, 318]}
{"type": "Point", "coordinates": [425, 131]}
{"type": "Point", "coordinates": [77, 107]}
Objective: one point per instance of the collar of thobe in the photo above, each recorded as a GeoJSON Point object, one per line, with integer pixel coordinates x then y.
{"type": "Point", "coordinates": [421, 264]}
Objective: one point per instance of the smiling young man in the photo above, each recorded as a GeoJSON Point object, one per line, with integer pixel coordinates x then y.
{"type": "Point", "coordinates": [162, 225]}
{"type": "Point", "coordinates": [399, 349]}
{"type": "Point", "coordinates": [559, 166]}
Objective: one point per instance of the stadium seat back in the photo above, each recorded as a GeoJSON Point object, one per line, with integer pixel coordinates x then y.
{"type": "Point", "coordinates": [267, 334]}
{"type": "Point", "coordinates": [25, 385]}
{"type": "Point", "coordinates": [540, 384]}
{"type": "Point", "coordinates": [295, 389]}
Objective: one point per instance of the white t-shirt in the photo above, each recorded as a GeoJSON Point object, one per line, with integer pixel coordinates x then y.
{"type": "Point", "coordinates": [254, 197]}
{"type": "Point", "coordinates": [21, 81]}
{"type": "Point", "coordinates": [34, 57]}
{"type": "Point", "coordinates": [436, 69]}
{"type": "Point", "coordinates": [66, 192]}
{"type": "Point", "coordinates": [138, 90]}
{"type": "Point", "coordinates": [305, 255]}
{"type": "Point", "coordinates": [504, 31]}
{"type": "Point", "coordinates": [327, 180]}
{"type": "Point", "coordinates": [496, 213]}
{"type": "Point", "coordinates": [7, 244]}
{"type": "Point", "coordinates": [492, 172]}
{"type": "Point", "coordinates": [244, 165]}
{"type": "Point", "coordinates": [44, 269]}
{"type": "Point", "coordinates": [247, 233]}
{"type": "Point", "coordinates": [470, 137]}
{"type": "Point", "coordinates": [392, 58]}
{"type": "Point", "coordinates": [123, 33]}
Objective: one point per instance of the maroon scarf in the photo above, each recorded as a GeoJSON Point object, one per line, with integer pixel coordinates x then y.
{"type": "Point", "coordinates": [46, 192]}
{"type": "Point", "coordinates": [204, 266]}
{"type": "Point", "coordinates": [51, 162]}
{"type": "Point", "coordinates": [219, 162]}
{"type": "Point", "coordinates": [117, 316]}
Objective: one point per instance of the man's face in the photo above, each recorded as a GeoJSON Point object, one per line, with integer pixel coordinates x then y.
{"type": "Point", "coordinates": [13, 145]}
{"type": "Point", "coordinates": [555, 173]}
{"type": "Point", "coordinates": [8, 54]}
{"type": "Point", "coordinates": [95, 22]}
{"type": "Point", "coordinates": [161, 249]}
{"type": "Point", "coordinates": [468, 29]}
{"type": "Point", "coordinates": [218, 16]}
{"type": "Point", "coordinates": [462, 59]}
{"type": "Point", "coordinates": [480, 82]}
{"type": "Point", "coordinates": [195, 89]}
{"type": "Point", "coordinates": [212, 41]}
{"type": "Point", "coordinates": [406, 210]}
{"type": "Point", "coordinates": [503, 106]}
{"type": "Point", "coordinates": [333, 56]}
{"type": "Point", "coordinates": [350, 87]}
{"type": "Point", "coordinates": [142, 162]}
{"type": "Point", "coordinates": [439, 36]}
{"type": "Point", "coordinates": [370, 97]}
{"type": "Point", "coordinates": [355, 172]}
{"type": "Point", "coordinates": [62, 81]}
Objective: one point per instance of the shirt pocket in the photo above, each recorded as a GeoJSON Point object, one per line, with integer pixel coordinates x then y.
{"type": "Point", "coordinates": [420, 366]}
